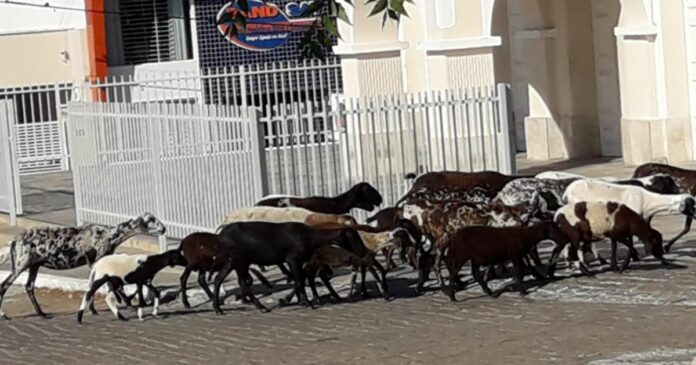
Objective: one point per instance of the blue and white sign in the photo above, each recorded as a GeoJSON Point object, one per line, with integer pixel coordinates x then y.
{"type": "Point", "coordinates": [268, 27]}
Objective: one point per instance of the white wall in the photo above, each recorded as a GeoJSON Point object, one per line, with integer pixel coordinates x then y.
{"type": "Point", "coordinates": [16, 19]}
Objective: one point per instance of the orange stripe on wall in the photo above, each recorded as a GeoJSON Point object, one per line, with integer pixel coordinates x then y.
{"type": "Point", "coordinates": [96, 43]}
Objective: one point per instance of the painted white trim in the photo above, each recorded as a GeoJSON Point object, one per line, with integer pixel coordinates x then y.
{"type": "Point", "coordinates": [536, 33]}
{"type": "Point", "coordinates": [661, 74]}
{"type": "Point", "coordinates": [691, 75]}
{"type": "Point", "coordinates": [487, 14]}
{"type": "Point", "coordinates": [642, 30]}
{"type": "Point", "coordinates": [367, 48]}
{"type": "Point", "coordinates": [457, 44]}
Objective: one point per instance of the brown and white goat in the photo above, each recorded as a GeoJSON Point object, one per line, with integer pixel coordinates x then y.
{"type": "Point", "coordinates": [585, 222]}
{"type": "Point", "coordinates": [493, 245]}
{"type": "Point", "coordinates": [685, 179]}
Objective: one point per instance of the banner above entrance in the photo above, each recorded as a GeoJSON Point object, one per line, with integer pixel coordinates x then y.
{"type": "Point", "coordinates": [268, 26]}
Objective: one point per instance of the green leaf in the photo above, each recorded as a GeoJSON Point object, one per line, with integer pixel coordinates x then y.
{"type": "Point", "coordinates": [379, 7]}
{"type": "Point", "coordinates": [398, 7]}
{"type": "Point", "coordinates": [330, 26]}
{"type": "Point", "coordinates": [341, 13]}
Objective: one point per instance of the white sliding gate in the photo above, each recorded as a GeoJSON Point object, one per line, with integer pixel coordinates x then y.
{"type": "Point", "coordinates": [38, 132]}
{"type": "Point", "coordinates": [188, 164]}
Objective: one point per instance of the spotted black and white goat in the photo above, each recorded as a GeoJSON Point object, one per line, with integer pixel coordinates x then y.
{"type": "Point", "coordinates": [122, 269]}
{"type": "Point", "coordinates": [64, 248]}
{"type": "Point", "coordinates": [523, 190]}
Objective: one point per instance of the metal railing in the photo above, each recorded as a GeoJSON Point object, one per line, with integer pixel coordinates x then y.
{"type": "Point", "coordinates": [187, 164]}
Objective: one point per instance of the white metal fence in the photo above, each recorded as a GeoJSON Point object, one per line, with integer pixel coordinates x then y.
{"type": "Point", "coordinates": [324, 148]}
{"type": "Point", "coordinates": [187, 164]}
{"type": "Point", "coordinates": [190, 148]}
{"type": "Point", "coordinates": [39, 134]}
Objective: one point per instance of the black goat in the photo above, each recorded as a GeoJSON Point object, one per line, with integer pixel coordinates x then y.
{"type": "Point", "coordinates": [260, 243]}
{"type": "Point", "coordinates": [363, 196]}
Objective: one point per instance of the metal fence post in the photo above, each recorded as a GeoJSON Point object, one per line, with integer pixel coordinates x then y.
{"type": "Point", "coordinates": [9, 171]}
{"type": "Point", "coordinates": [258, 149]}
{"type": "Point", "coordinates": [508, 130]}
{"type": "Point", "coordinates": [156, 146]}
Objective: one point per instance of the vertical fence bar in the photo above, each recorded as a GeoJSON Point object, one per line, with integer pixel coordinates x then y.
{"type": "Point", "coordinates": [504, 108]}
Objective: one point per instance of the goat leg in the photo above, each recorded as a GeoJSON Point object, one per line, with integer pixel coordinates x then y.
{"type": "Point", "coordinates": [388, 252]}
{"type": "Point", "coordinates": [352, 283]}
{"type": "Point", "coordinates": [244, 281]}
{"type": "Point", "coordinates": [614, 248]}
{"type": "Point", "coordinates": [480, 280]}
{"type": "Point", "coordinates": [518, 265]}
{"type": "Point", "coordinates": [156, 299]}
{"type": "Point", "coordinates": [141, 301]}
{"type": "Point", "coordinates": [182, 282]}
{"type": "Point", "coordinates": [311, 274]}
{"type": "Point", "coordinates": [326, 280]}
{"type": "Point", "coordinates": [29, 286]}
{"type": "Point", "coordinates": [385, 285]}
{"type": "Point", "coordinates": [204, 285]}
{"type": "Point", "coordinates": [424, 264]}
{"type": "Point", "coordinates": [286, 272]}
{"type": "Point", "coordinates": [298, 278]}
{"type": "Point", "coordinates": [222, 274]}
{"type": "Point", "coordinates": [261, 278]}
{"type": "Point", "coordinates": [687, 227]}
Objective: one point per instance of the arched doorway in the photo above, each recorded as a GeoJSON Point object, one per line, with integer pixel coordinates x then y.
{"type": "Point", "coordinates": [562, 59]}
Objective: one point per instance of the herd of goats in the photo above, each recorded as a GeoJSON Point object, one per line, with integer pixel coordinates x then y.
{"type": "Point", "coordinates": [446, 219]}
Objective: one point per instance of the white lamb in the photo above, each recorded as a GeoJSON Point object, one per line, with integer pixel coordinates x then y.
{"type": "Point", "coordinates": [122, 269]}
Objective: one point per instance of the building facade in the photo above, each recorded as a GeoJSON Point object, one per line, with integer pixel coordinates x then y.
{"type": "Point", "coordinates": [589, 78]}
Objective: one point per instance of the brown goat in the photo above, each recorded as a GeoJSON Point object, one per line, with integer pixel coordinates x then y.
{"type": "Point", "coordinates": [685, 179]}
{"type": "Point", "coordinates": [489, 181]}
{"type": "Point", "coordinates": [322, 263]}
{"type": "Point", "coordinates": [362, 196]}
{"type": "Point", "coordinates": [494, 245]}
{"type": "Point", "coordinates": [203, 253]}
{"type": "Point", "coordinates": [590, 221]}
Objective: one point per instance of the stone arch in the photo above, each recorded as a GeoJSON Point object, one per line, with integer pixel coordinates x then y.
{"type": "Point", "coordinates": [633, 13]}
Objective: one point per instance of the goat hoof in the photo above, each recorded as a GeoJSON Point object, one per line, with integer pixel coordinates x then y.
{"type": "Point", "coordinates": [5, 317]}
{"type": "Point", "coordinates": [44, 315]}
{"type": "Point", "coordinates": [282, 302]}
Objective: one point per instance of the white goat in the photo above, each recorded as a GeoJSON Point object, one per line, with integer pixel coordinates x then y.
{"type": "Point", "coordinates": [123, 269]}
{"type": "Point", "coordinates": [643, 202]}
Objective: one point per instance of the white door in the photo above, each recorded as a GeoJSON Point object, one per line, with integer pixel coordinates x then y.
{"type": "Point", "coordinates": [690, 30]}
{"type": "Point", "coordinates": [10, 192]}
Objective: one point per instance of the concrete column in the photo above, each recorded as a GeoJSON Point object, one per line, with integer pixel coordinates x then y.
{"type": "Point", "coordinates": [653, 74]}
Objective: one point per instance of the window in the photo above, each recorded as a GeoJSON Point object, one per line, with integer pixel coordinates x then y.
{"type": "Point", "coordinates": [147, 31]}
